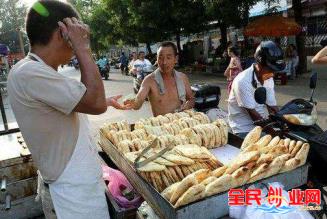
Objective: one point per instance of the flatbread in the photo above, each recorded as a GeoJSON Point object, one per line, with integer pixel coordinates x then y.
{"type": "Point", "coordinates": [191, 151]}
{"type": "Point", "coordinates": [178, 159]}
{"type": "Point", "coordinates": [252, 137]}
{"type": "Point", "coordinates": [168, 192]}
{"type": "Point", "coordinates": [259, 173]}
{"type": "Point", "coordinates": [291, 164]}
{"type": "Point", "coordinates": [291, 146]}
{"type": "Point", "coordinates": [193, 137]}
{"type": "Point", "coordinates": [302, 154]}
{"type": "Point", "coordinates": [243, 159]}
{"type": "Point", "coordinates": [184, 185]}
{"type": "Point", "coordinates": [265, 158]}
{"type": "Point", "coordinates": [296, 148]}
{"type": "Point", "coordinates": [274, 141]}
{"type": "Point", "coordinates": [194, 193]}
{"type": "Point", "coordinates": [264, 141]}
{"type": "Point", "coordinates": [275, 166]}
{"type": "Point", "coordinates": [208, 180]}
{"type": "Point", "coordinates": [221, 184]}
{"type": "Point", "coordinates": [219, 171]}
{"type": "Point", "coordinates": [241, 176]}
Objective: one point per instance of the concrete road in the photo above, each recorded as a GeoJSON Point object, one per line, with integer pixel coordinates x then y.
{"type": "Point", "coordinates": [121, 84]}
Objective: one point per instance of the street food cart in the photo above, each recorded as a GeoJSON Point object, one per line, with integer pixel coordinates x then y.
{"type": "Point", "coordinates": [211, 206]}
{"type": "Point", "coordinates": [18, 176]}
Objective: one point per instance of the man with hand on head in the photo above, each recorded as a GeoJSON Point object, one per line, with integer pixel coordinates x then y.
{"type": "Point", "coordinates": [51, 111]}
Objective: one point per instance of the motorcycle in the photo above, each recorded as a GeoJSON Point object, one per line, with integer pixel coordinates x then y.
{"type": "Point", "coordinates": [75, 64]}
{"type": "Point", "coordinates": [207, 98]}
{"type": "Point", "coordinates": [297, 120]}
{"type": "Point", "coordinates": [104, 71]}
{"type": "Point", "coordinates": [142, 72]}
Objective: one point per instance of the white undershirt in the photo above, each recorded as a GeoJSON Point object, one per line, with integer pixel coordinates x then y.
{"type": "Point", "coordinates": [242, 96]}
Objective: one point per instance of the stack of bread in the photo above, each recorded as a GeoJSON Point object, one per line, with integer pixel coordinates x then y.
{"type": "Point", "coordinates": [174, 165]}
{"type": "Point", "coordinates": [116, 126]}
{"type": "Point", "coordinates": [260, 157]}
{"type": "Point", "coordinates": [168, 118]}
{"type": "Point", "coordinates": [294, 153]}
{"type": "Point", "coordinates": [186, 127]}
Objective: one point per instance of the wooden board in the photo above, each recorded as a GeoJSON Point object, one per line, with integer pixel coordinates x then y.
{"type": "Point", "coordinates": [10, 151]}
{"type": "Point", "coordinates": [207, 208]}
{"type": "Point", "coordinates": [19, 171]}
{"type": "Point", "coordinates": [20, 189]}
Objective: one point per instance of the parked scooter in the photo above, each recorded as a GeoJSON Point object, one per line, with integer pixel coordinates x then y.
{"type": "Point", "coordinates": [297, 120]}
{"type": "Point", "coordinates": [207, 99]}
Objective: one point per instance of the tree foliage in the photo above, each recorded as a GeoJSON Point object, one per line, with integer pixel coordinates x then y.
{"type": "Point", "coordinates": [12, 15]}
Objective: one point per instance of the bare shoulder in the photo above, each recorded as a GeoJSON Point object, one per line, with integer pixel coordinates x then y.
{"type": "Point", "coordinates": [184, 77]}
{"type": "Point", "coordinates": [148, 80]}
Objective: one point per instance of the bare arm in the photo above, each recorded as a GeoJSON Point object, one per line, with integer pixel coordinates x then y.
{"type": "Point", "coordinates": [253, 114]}
{"type": "Point", "coordinates": [93, 101]}
{"type": "Point", "coordinates": [229, 67]}
{"type": "Point", "coordinates": [227, 72]}
{"type": "Point", "coordinates": [142, 94]}
{"type": "Point", "coordinates": [272, 109]}
{"type": "Point", "coordinates": [235, 63]}
{"type": "Point", "coordinates": [190, 100]}
{"type": "Point", "coordinates": [113, 101]}
{"type": "Point", "coordinates": [320, 57]}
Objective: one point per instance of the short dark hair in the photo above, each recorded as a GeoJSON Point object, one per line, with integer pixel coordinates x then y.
{"type": "Point", "coordinates": [42, 19]}
{"type": "Point", "coordinates": [169, 44]}
{"type": "Point", "coordinates": [233, 50]}
{"type": "Point", "coordinates": [141, 52]}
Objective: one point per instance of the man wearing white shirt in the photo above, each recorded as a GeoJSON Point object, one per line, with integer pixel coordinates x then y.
{"type": "Point", "coordinates": [242, 107]}
{"type": "Point", "coordinates": [140, 65]}
{"type": "Point", "coordinates": [51, 110]}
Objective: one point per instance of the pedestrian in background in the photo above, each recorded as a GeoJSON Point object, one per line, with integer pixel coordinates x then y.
{"type": "Point", "coordinates": [234, 67]}
{"type": "Point", "coordinates": [131, 62]}
{"type": "Point", "coordinates": [123, 63]}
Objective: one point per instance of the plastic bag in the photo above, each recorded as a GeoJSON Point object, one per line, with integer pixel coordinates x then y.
{"type": "Point", "coordinates": [122, 191]}
{"type": "Point", "coordinates": [266, 211]}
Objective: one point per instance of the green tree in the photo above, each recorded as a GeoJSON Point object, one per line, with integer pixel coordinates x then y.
{"type": "Point", "coordinates": [185, 17]}
{"type": "Point", "coordinates": [149, 21]}
{"type": "Point", "coordinates": [226, 13]}
{"type": "Point", "coordinates": [12, 15]}
{"type": "Point", "coordinates": [146, 22]}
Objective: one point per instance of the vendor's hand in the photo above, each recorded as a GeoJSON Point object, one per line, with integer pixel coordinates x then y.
{"type": "Point", "coordinates": [76, 33]}
{"type": "Point", "coordinates": [129, 103]}
{"type": "Point", "coordinates": [113, 101]}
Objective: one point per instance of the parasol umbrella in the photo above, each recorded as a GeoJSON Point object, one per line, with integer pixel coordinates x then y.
{"type": "Point", "coordinates": [4, 49]}
{"type": "Point", "coordinates": [275, 26]}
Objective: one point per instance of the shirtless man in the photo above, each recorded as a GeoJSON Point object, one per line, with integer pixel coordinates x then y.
{"type": "Point", "coordinates": [168, 90]}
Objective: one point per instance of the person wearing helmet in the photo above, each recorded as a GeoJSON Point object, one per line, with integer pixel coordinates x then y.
{"type": "Point", "coordinates": [242, 107]}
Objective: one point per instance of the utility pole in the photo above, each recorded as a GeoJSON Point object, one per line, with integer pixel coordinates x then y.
{"type": "Point", "coordinates": [21, 44]}
{"type": "Point", "coordinates": [19, 33]}
{"type": "Point", "coordinates": [300, 39]}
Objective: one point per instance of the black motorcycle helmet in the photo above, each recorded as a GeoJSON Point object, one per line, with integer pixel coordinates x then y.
{"type": "Point", "coordinates": [268, 54]}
